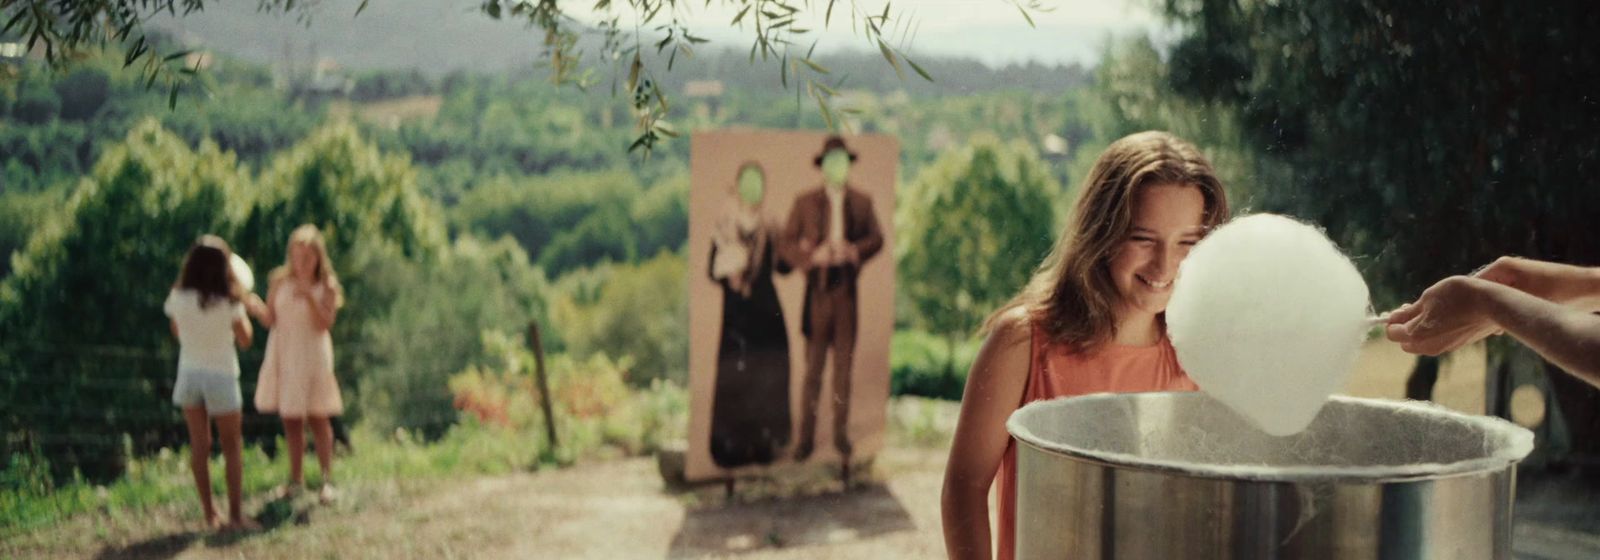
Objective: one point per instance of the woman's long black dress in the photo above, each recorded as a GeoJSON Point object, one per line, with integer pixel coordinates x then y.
{"type": "Point", "coordinates": [750, 406]}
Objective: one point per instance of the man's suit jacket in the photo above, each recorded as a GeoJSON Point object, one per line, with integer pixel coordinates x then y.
{"type": "Point", "coordinates": [807, 229]}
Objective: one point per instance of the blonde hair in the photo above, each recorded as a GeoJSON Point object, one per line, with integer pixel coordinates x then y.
{"type": "Point", "coordinates": [1072, 296]}
{"type": "Point", "coordinates": [309, 235]}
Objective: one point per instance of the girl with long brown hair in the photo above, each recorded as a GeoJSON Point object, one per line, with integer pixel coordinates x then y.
{"type": "Point", "coordinates": [207, 317]}
{"type": "Point", "coordinates": [1089, 321]}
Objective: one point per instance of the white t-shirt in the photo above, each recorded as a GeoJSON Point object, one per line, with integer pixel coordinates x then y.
{"type": "Point", "coordinates": [205, 336]}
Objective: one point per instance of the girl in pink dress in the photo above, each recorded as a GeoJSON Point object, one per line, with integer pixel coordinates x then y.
{"type": "Point", "coordinates": [1091, 320]}
{"type": "Point", "coordinates": [297, 381]}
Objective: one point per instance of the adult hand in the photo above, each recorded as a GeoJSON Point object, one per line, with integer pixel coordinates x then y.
{"type": "Point", "coordinates": [1447, 316]}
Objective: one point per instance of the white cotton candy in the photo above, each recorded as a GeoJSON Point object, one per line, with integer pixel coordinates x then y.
{"type": "Point", "coordinates": [1268, 317]}
{"type": "Point", "coordinates": [241, 272]}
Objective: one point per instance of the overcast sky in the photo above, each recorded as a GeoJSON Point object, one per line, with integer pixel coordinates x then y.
{"type": "Point", "coordinates": [440, 35]}
{"type": "Point", "coordinates": [993, 31]}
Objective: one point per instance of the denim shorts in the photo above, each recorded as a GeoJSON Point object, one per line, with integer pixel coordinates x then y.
{"type": "Point", "coordinates": [218, 392]}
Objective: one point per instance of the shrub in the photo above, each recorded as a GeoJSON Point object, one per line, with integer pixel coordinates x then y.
{"type": "Point", "coordinates": [921, 364]}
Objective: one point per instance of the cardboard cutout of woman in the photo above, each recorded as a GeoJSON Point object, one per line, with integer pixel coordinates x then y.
{"type": "Point", "coordinates": [750, 405]}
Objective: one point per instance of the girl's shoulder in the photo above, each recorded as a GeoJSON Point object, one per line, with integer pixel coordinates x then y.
{"type": "Point", "coordinates": [276, 281]}
{"type": "Point", "coordinates": [183, 295]}
{"type": "Point", "coordinates": [1013, 330]}
{"type": "Point", "coordinates": [277, 275]}
{"type": "Point", "coordinates": [1017, 320]}
{"type": "Point", "coordinates": [176, 298]}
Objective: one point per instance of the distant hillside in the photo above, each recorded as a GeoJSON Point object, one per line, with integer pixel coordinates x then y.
{"type": "Point", "coordinates": [438, 37]}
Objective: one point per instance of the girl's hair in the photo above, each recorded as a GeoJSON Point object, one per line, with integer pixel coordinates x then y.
{"type": "Point", "coordinates": [208, 270]}
{"type": "Point", "coordinates": [309, 235]}
{"type": "Point", "coordinates": [1071, 295]}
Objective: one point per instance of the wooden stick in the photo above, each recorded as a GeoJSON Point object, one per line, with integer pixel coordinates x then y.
{"type": "Point", "coordinates": [544, 384]}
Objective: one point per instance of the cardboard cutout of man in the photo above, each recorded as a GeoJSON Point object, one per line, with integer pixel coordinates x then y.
{"type": "Point", "coordinates": [831, 232]}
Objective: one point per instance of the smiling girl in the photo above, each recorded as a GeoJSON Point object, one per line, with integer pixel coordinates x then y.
{"type": "Point", "coordinates": [1089, 321]}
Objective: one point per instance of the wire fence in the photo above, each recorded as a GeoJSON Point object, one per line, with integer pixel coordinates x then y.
{"type": "Point", "coordinates": [116, 401]}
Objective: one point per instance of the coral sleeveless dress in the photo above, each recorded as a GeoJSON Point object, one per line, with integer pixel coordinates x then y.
{"type": "Point", "coordinates": [297, 373]}
{"type": "Point", "coordinates": [1055, 371]}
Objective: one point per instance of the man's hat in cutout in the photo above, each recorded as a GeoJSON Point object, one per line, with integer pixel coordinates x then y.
{"type": "Point", "coordinates": [833, 143]}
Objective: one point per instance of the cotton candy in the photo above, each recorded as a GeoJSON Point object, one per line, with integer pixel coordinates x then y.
{"type": "Point", "coordinates": [1268, 317]}
{"type": "Point", "coordinates": [242, 273]}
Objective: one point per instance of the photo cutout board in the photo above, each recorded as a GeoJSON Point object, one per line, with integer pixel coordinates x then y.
{"type": "Point", "coordinates": [791, 266]}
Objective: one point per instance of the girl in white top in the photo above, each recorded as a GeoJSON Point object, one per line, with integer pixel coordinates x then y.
{"type": "Point", "coordinates": [208, 318]}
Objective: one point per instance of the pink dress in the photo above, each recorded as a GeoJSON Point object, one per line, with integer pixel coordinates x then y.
{"type": "Point", "coordinates": [1056, 371]}
{"type": "Point", "coordinates": [297, 374]}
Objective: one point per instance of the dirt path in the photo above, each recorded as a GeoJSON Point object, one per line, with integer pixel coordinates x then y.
{"type": "Point", "coordinates": [607, 509]}
{"type": "Point", "coordinates": [617, 509]}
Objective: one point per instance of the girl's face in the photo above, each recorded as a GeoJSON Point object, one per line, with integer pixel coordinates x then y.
{"type": "Point", "coordinates": [1167, 221]}
{"type": "Point", "coordinates": [303, 259]}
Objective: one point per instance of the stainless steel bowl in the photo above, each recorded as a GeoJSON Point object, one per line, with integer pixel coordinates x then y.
{"type": "Point", "coordinates": [1179, 475]}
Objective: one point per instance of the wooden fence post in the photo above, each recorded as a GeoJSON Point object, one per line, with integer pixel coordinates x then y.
{"type": "Point", "coordinates": [544, 384]}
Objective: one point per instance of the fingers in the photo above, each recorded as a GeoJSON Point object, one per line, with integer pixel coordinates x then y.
{"type": "Point", "coordinates": [1412, 328]}
{"type": "Point", "coordinates": [1404, 314]}
{"type": "Point", "coordinates": [1420, 349]}
{"type": "Point", "coordinates": [1397, 333]}
{"type": "Point", "coordinates": [1413, 343]}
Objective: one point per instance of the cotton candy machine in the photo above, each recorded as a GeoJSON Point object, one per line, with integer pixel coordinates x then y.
{"type": "Point", "coordinates": [1179, 475]}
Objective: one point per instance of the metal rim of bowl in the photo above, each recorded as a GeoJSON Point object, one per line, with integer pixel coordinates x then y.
{"type": "Point", "coordinates": [1513, 436]}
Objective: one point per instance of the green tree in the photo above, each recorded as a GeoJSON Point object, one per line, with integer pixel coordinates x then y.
{"type": "Point", "coordinates": [20, 215]}
{"type": "Point", "coordinates": [1127, 97]}
{"type": "Point", "coordinates": [254, 123]}
{"type": "Point", "coordinates": [36, 103]}
{"type": "Point", "coordinates": [565, 220]}
{"type": "Point", "coordinates": [661, 217]}
{"type": "Point", "coordinates": [638, 311]}
{"type": "Point", "coordinates": [973, 227]}
{"type": "Point", "coordinates": [604, 235]}
{"type": "Point", "coordinates": [45, 155]}
{"type": "Point", "coordinates": [432, 329]}
{"type": "Point", "coordinates": [87, 358]}
{"type": "Point", "coordinates": [1427, 137]}
{"type": "Point", "coordinates": [83, 92]}
{"type": "Point", "coordinates": [340, 182]}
